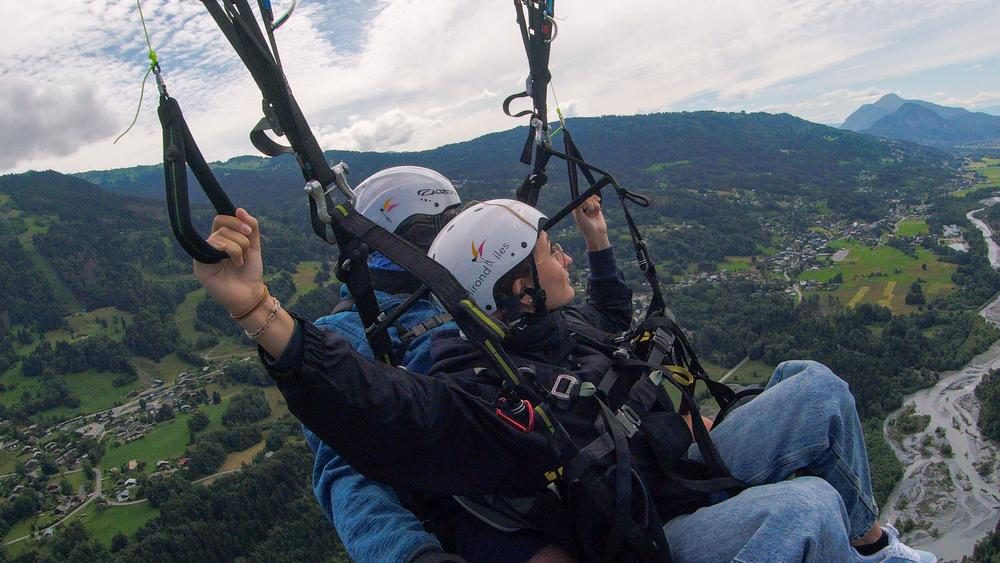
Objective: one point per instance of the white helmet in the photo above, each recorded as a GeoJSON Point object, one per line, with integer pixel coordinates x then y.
{"type": "Point", "coordinates": [485, 242]}
{"type": "Point", "coordinates": [402, 197]}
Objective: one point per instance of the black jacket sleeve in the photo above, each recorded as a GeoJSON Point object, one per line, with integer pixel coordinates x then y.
{"type": "Point", "coordinates": [435, 434]}
{"type": "Point", "coordinates": [609, 298]}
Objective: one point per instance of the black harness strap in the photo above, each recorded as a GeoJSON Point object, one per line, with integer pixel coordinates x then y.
{"type": "Point", "coordinates": [352, 269]}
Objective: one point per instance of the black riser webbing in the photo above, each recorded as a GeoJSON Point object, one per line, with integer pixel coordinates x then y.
{"type": "Point", "coordinates": [179, 152]}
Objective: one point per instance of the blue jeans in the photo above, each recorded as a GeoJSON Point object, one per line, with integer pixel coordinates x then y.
{"type": "Point", "coordinates": [804, 426]}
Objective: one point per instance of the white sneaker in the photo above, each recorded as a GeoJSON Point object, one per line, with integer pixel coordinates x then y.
{"type": "Point", "coordinates": [898, 552]}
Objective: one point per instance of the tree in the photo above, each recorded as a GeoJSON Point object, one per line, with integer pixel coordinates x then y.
{"type": "Point", "coordinates": [118, 542]}
{"type": "Point", "coordinates": [165, 413]}
{"type": "Point", "coordinates": [48, 465]}
{"type": "Point", "coordinates": [65, 488]}
{"type": "Point", "coordinates": [249, 406]}
{"type": "Point", "coordinates": [274, 441]}
{"type": "Point", "coordinates": [198, 421]}
{"type": "Point", "coordinates": [142, 404]}
{"type": "Point", "coordinates": [216, 398]}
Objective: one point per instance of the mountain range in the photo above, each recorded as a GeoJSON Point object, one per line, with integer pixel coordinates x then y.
{"type": "Point", "coordinates": [925, 123]}
{"type": "Point", "coordinates": [697, 150]}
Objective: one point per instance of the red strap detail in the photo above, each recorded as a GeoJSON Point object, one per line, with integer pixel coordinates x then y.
{"type": "Point", "coordinates": [515, 423]}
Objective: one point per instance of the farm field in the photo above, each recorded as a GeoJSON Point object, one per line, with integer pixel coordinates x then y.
{"type": "Point", "coordinates": [167, 369]}
{"type": "Point", "coordinates": [882, 276]}
{"type": "Point", "coordinates": [184, 315]}
{"type": "Point", "coordinates": [304, 279]}
{"type": "Point", "coordinates": [94, 390]}
{"type": "Point", "coordinates": [8, 461]}
{"type": "Point", "coordinates": [236, 460]}
{"type": "Point", "coordinates": [89, 323]}
{"type": "Point", "coordinates": [104, 524]}
{"type": "Point", "coordinates": [169, 440]}
{"type": "Point", "coordinates": [911, 227]}
{"type": "Point", "coordinates": [989, 167]}
{"type": "Point", "coordinates": [735, 264]}
{"type": "Point", "coordinates": [754, 372]}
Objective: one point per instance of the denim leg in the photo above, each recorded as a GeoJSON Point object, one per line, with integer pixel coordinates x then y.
{"type": "Point", "coordinates": [805, 422]}
{"type": "Point", "coordinates": [801, 519]}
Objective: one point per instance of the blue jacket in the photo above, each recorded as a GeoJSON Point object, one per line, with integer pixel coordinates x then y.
{"type": "Point", "coordinates": [368, 516]}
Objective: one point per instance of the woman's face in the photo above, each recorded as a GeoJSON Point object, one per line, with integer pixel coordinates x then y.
{"type": "Point", "coordinates": [553, 272]}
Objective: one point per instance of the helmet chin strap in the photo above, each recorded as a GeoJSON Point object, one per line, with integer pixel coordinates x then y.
{"type": "Point", "coordinates": [537, 293]}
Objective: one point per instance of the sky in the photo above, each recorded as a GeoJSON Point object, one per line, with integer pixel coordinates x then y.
{"type": "Point", "coordinates": [400, 75]}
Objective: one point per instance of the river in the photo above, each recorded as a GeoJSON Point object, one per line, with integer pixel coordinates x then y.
{"type": "Point", "coordinates": [954, 500]}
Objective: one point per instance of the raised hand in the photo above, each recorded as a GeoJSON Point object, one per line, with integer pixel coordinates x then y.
{"type": "Point", "coordinates": [590, 221]}
{"type": "Point", "coordinates": [238, 281]}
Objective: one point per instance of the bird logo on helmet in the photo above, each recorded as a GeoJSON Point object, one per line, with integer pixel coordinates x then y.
{"type": "Point", "coordinates": [387, 207]}
{"type": "Point", "coordinates": [477, 252]}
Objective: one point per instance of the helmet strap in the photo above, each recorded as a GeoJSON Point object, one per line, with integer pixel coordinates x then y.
{"type": "Point", "coordinates": [537, 293]}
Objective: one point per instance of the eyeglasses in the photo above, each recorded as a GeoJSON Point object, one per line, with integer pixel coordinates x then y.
{"type": "Point", "coordinates": [554, 250]}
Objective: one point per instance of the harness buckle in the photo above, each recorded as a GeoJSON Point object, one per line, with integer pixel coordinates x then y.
{"type": "Point", "coordinates": [563, 386]}
{"type": "Point", "coordinates": [629, 419]}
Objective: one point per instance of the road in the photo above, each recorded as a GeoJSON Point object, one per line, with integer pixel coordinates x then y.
{"type": "Point", "coordinates": [732, 371]}
{"type": "Point", "coordinates": [795, 286]}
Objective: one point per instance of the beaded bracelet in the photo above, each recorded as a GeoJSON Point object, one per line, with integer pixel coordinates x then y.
{"type": "Point", "coordinates": [270, 319]}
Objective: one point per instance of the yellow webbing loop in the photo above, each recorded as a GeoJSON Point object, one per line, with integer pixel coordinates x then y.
{"type": "Point", "coordinates": [680, 374]}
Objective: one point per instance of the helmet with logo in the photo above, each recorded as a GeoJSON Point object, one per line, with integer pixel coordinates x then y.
{"type": "Point", "coordinates": [485, 242]}
{"type": "Point", "coordinates": [411, 201]}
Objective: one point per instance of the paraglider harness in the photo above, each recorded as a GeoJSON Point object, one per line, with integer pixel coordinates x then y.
{"type": "Point", "coordinates": [600, 472]}
{"type": "Point", "coordinates": [647, 360]}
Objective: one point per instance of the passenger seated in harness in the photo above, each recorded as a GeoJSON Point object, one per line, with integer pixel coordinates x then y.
{"type": "Point", "coordinates": [783, 478]}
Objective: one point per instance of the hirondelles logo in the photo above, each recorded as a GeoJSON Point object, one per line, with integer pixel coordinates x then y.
{"type": "Point", "coordinates": [487, 263]}
{"type": "Point", "coordinates": [388, 206]}
{"type": "Point", "coordinates": [477, 253]}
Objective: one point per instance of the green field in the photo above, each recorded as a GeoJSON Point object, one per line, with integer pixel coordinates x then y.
{"type": "Point", "coordinates": [89, 324]}
{"type": "Point", "coordinates": [660, 166]}
{"type": "Point", "coordinates": [169, 440]}
{"type": "Point", "coordinates": [735, 264]}
{"type": "Point", "coordinates": [8, 461]}
{"type": "Point", "coordinates": [989, 167]}
{"type": "Point", "coordinates": [76, 480]}
{"type": "Point", "coordinates": [870, 276]}
{"type": "Point", "coordinates": [184, 315]}
{"type": "Point", "coordinates": [754, 372]}
{"type": "Point", "coordinates": [911, 227]}
{"type": "Point", "coordinates": [95, 391]}
{"type": "Point", "coordinates": [104, 524]}
{"type": "Point", "coordinates": [167, 369]}
{"type": "Point", "coordinates": [166, 441]}
{"type": "Point", "coordinates": [305, 279]}
{"type": "Point", "coordinates": [23, 528]}
{"type": "Point", "coordinates": [237, 460]}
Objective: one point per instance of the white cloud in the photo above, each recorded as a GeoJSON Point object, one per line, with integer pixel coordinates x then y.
{"type": "Point", "coordinates": [981, 99]}
{"type": "Point", "coordinates": [387, 131]}
{"type": "Point", "coordinates": [414, 74]}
